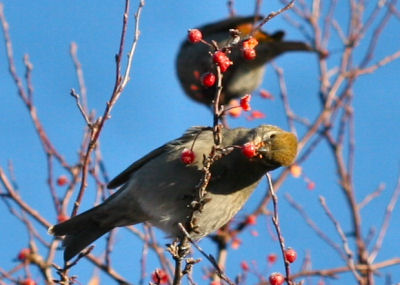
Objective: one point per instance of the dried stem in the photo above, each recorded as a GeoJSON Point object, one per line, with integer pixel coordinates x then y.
{"type": "Point", "coordinates": [120, 84]}
{"type": "Point", "coordinates": [386, 221]}
{"type": "Point", "coordinates": [73, 50]}
{"type": "Point", "coordinates": [273, 15]}
{"type": "Point", "coordinates": [275, 220]}
{"type": "Point", "coordinates": [209, 257]}
{"type": "Point", "coordinates": [349, 253]}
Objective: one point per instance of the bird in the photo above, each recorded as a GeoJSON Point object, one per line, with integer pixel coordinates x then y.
{"type": "Point", "coordinates": [160, 187]}
{"type": "Point", "coordinates": [244, 76]}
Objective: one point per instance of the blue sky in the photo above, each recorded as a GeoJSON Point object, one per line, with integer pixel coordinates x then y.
{"type": "Point", "coordinates": [153, 110]}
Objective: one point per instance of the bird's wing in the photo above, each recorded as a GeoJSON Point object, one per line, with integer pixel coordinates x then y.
{"type": "Point", "coordinates": [225, 25]}
{"type": "Point", "coordinates": [235, 23]}
{"type": "Point", "coordinates": [189, 135]}
{"type": "Point", "coordinates": [124, 176]}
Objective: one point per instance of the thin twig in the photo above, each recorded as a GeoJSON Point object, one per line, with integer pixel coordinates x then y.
{"type": "Point", "coordinates": [81, 107]}
{"type": "Point", "coordinates": [73, 50]}
{"type": "Point", "coordinates": [27, 97]}
{"type": "Point", "coordinates": [285, 99]}
{"type": "Point", "coordinates": [209, 257]}
{"type": "Point", "coordinates": [275, 220]}
{"type": "Point", "coordinates": [346, 247]}
{"type": "Point", "coordinates": [386, 222]}
{"type": "Point", "coordinates": [231, 7]}
{"type": "Point", "coordinates": [314, 226]}
{"type": "Point", "coordinates": [371, 196]}
{"type": "Point", "coordinates": [21, 203]}
{"type": "Point", "coordinates": [120, 84]}
{"type": "Point", "coordinates": [331, 272]}
{"type": "Point", "coordinates": [273, 15]}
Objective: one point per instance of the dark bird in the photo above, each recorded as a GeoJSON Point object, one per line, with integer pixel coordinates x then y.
{"type": "Point", "coordinates": [244, 76]}
{"type": "Point", "coordinates": [159, 187]}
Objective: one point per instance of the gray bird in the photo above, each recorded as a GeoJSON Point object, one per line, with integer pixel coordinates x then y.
{"type": "Point", "coordinates": [244, 76]}
{"type": "Point", "coordinates": [159, 187]}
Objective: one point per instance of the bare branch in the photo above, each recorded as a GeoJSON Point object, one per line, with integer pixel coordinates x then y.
{"type": "Point", "coordinates": [349, 259]}
{"type": "Point", "coordinates": [120, 84]}
{"type": "Point", "coordinates": [385, 224]}
{"type": "Point", "coordinates": [73, 50]}
{"type": "Point", "coordinates": [314, 226]}
{"type": "Point", "coordinates": [371, 196]}
{"type": "Point", "coordinates": [209, 257]}
{"type": "Point", "coordinates": [275, 220]}
{"type": "Point", "coordinates": [273, 15]}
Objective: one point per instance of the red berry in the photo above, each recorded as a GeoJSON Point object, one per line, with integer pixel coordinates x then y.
{"type": "Point", "coordinates": [266, 94]}
{"type": "Point", "coordinates": [290, 255]}
{"type": "Point", "coordinates": [195, 36]}
{"type": "Point", "coordinates": [295, 170]}
{"type": "Point", "coordinates": [225, 65]}
{"type": "Point", "coordinates": [187, 156]}
{"type": "Point", "coordinates": [245, 102]}
{"type": "Point", "coordinates": [62, 180]}
{"type": "Point", "coordinates": [222, 60]}
{"type": "Point", "coordinates": [311, 185]}
{"type": "Point", "coordinates": [236, 242]}
{"type": "Point", "coordinates": [249, 53]}
{"type": "Point", "coordinates": [62, 218]}
{"type": "Point", "coordinates": [276, 278]}
{"type": "Point", "coordinates": [219, 57]}
{"type": "Point", "coordinates": [254, 233]}
{"type": "Point", "coordinates": [250, 43]}
{"type": "Point", "coordinates": [249, 150]}
{"type": "Point", "coordinates": [208, 79]}
{"type": "Point", "coordinates": [245, 266]}
{"type": "Point", "coordinates": [234, 109]}
{"type": "Point", "coordinates": [272, 257]}
{"type": "Point", "coordinates": [251, 219]}
{"type": "Point", "coordinates": [24, 253]}
{"type": "Point", "coordinates": [256, 115]}
{"type": "Point", "coordinates": [28, 281]}
{"type": "Point", "coordinates": [159, 276]}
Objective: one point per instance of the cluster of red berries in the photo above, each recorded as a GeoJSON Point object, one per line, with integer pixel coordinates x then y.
{"type": "Point", "coordinates": [277, 278]}
{"type": "Point", "coordinates": [220, 57]}
{"type": "Point", "coordinates": [248, 149]}
{"type": "Point", "coordinates": [248, 50]}
{"type": "Point", "coordinates": [222, 60]}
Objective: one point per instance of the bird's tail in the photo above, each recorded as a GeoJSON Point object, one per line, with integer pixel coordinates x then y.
{"type": "Point", "coordinates": [80, 231]}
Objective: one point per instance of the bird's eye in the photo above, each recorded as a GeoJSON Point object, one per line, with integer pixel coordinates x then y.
{"type": "Point", "coordinates": [272, 136]}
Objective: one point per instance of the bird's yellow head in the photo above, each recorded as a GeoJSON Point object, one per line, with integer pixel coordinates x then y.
{"type": "Point", "coordinates": [276, 146]}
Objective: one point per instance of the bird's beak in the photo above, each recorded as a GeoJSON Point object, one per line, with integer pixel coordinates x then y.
{"type": "Point", "coordinates": [264, 150]}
